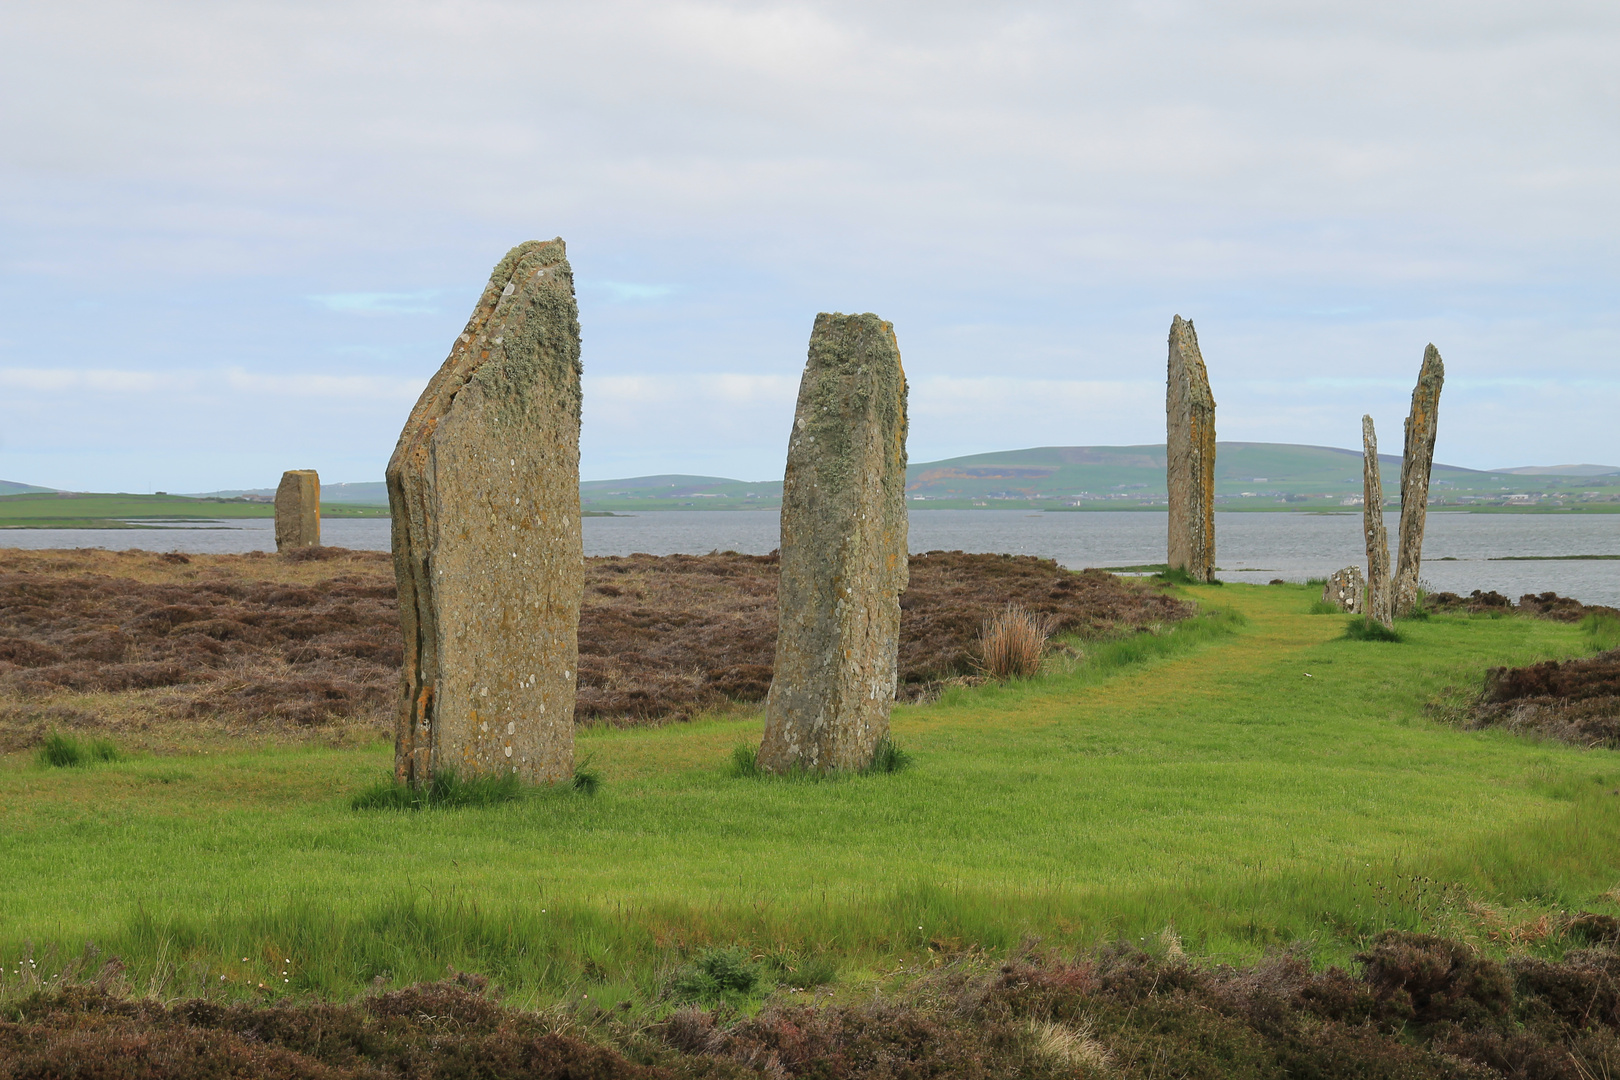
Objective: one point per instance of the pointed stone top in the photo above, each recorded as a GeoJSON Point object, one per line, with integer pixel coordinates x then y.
{"type": "Point", "coordinates": [1431, 363]}
{"type": "Point", "coordinates": [1187, 363]}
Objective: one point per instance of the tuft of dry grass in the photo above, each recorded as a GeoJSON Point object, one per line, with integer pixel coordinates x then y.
{"type": "Point", "coordinates": [1069, 1045]}
{"type": "Point", "coordinates": [1012, 643]}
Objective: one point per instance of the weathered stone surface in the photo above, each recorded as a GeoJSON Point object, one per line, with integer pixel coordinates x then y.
{"type": "Point", "coordinates": [298, 510]}
{"type": "Point", "coordinates": [1372, 524]}
{"type": "Point", "coordinates": [484, 488]}
{"type": "Point", "coordinates": [1190, 455]}
{"type": "Point", "coordinates": [1346, 589]}
{"type": "Point", "coordinates": [1416, 464]}
{"type": "Point", "coordinates": [843, 562]}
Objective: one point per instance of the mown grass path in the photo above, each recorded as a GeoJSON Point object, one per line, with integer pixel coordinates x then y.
{"type": "Point", "coordinates": [1273, 785]}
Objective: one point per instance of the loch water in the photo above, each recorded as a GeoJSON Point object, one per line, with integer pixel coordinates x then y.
{"type": "Point", "coordinates": [1462, 551]}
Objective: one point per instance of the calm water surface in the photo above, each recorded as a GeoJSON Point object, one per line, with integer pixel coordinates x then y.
{"type": "Point", "coordinates": [1250, 547]}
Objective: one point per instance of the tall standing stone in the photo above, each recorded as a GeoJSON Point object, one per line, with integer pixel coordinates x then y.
{"type": "Point", "coordinates": [1190, 456]}
{"type": "Point", "coordinates": [484, 489]}
{"type": "Point", "coordinates": [843, 561]}
{"type": "Point", "coordinates": [1372, 523]}
{"type": "Point", "coordinates": [298, 510]}
{"type": "Point", "coordinates": [1416, 464]}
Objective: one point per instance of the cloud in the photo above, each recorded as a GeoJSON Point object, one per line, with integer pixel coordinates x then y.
{"type": "Point", "coordinates": [380, 303]}
{"type": "Point", "coordinates": [628, 292]}
{"type": "Point", "coordinates": [1028, 190]}
{"type": "Point", "coordinates": [100, 381]}
{"type": "Point", "coordinates": [370, 387]}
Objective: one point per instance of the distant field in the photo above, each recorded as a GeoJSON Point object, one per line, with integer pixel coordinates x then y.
{"type": "Point", "coordinates": [59, 510]}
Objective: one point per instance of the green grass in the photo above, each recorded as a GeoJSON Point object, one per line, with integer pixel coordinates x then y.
{"type": "Point", "coordinates": [1249, 777]}
{"type": "Point", "coordinates": [1601, 631]}
{"type": "Point", "coordinates": [1365, 628]}
{"type": "Point", "coordinates": [447, 791]}
{"type": "Point", "coordinates": [64, 751]}
{"type": "Point", "coordinates": [101, 511]}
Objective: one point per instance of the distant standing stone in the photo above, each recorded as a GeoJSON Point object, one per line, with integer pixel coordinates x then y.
{"type": "Point", "coordinates": [298, 510]}
{"type": "Point", "coordinates": [1190, 455]}
{"type": "Point", "coordinates": [1416, 464]}
{"type": "Point", "coordinates": [484, 490]}
{"type": "Point", "coordinates": [843, 562]}
{"type": "Point", "coordinates": [1346, 589]}
{"type": "Point", "coordinates": [1372, 523]}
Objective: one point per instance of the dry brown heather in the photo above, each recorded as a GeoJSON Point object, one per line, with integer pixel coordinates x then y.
{"type": "Point", "coordinates": [168, 650]}
{"type": "Point", "coordinates": [1414, 1006]}
{"type": "Point", "coordinates": [1574, 701]}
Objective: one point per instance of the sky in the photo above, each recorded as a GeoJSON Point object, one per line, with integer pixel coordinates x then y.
{"type": "Point", "coordinates": [237, 238]}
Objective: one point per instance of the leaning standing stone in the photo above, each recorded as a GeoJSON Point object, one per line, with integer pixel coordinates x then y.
{"type": "Point", "coordinates": [1190, 456]}
{"type": "Point", "coordinates": [843, 562]}
{"type": "Point", "coordinates": [298, 510]}
{"type": "Point", "coordinates": [1416, 464]}
{"type": "Point", "coordinates": [1372, 523]}
{"type": "Point", "coordinates": [1345, 588]}
{"type": "Point", "coordinates": [484, 490]}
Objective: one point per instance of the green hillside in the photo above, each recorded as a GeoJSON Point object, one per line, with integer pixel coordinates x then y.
{"type": "Point", "coordinates": [72, 510]}
{"type": "Point", "coordinates": [1248, 476]}
{"type": "Point", "coordinates": [8, 487]}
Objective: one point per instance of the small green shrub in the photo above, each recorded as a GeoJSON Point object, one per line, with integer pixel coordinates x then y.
{"type": "Point", "coordinates": [744, 761]}
{"type": "Point", "coordinates": [1365, 628]}
{"type": "Point", "coordinates": [587, 781]}
{"type": "Point", "coordinates": [726, 974]}
{"type": "Point", "coordinates": [886, 758]}
{"type": "Point", "coordinates": [889, 758]}
{"type": "Point", "coordinates": [446, 791]}
{"type": "Point", "coordinates": [1601, 630]}
{"type": "Point", "coordinates": [64, 751]}
{"type": "Point", "coordinates": [803, 972]}
{"type": "Point", "coordinates": [1325, 607]}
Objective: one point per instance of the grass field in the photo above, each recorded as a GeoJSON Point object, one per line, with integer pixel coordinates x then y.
{"type": "Point", "coordinates": [1248, 781]}
{"type": "Point", "coordinates": [98, 511]}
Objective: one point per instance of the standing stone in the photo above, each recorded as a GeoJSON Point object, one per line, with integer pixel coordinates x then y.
{"type": "Point", "coordinates": [843, 561]}
{"type": "Point", "coordinates": [1345, 589]}
{"type": "Point", "coordinates": [1416, 464]}
{"type": "Point", "coordinates": [298, 510]}
{"type": "Point", "coordinates": [1190, 456]}
{"type": "Point", "coordinates": [1372, 523]}
{"type": "Point", "coordinates": [484, 490]}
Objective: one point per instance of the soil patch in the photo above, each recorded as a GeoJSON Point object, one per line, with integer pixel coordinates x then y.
{"type": "Point", "coordinates": [159, 647]}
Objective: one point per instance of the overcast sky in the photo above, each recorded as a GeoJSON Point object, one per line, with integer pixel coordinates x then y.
{"type": "Point", "coordinates": [237, 238]}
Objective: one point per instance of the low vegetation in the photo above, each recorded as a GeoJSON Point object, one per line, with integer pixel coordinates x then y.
{"type": "Point", "coordinates": [676, 636]}
{"type": "Point", "coordinates": [169, 650]}
{"type": "Point", "coordinates": [1235, 843]}
{"type": "Point", "coordinates": [1410, 1005]}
